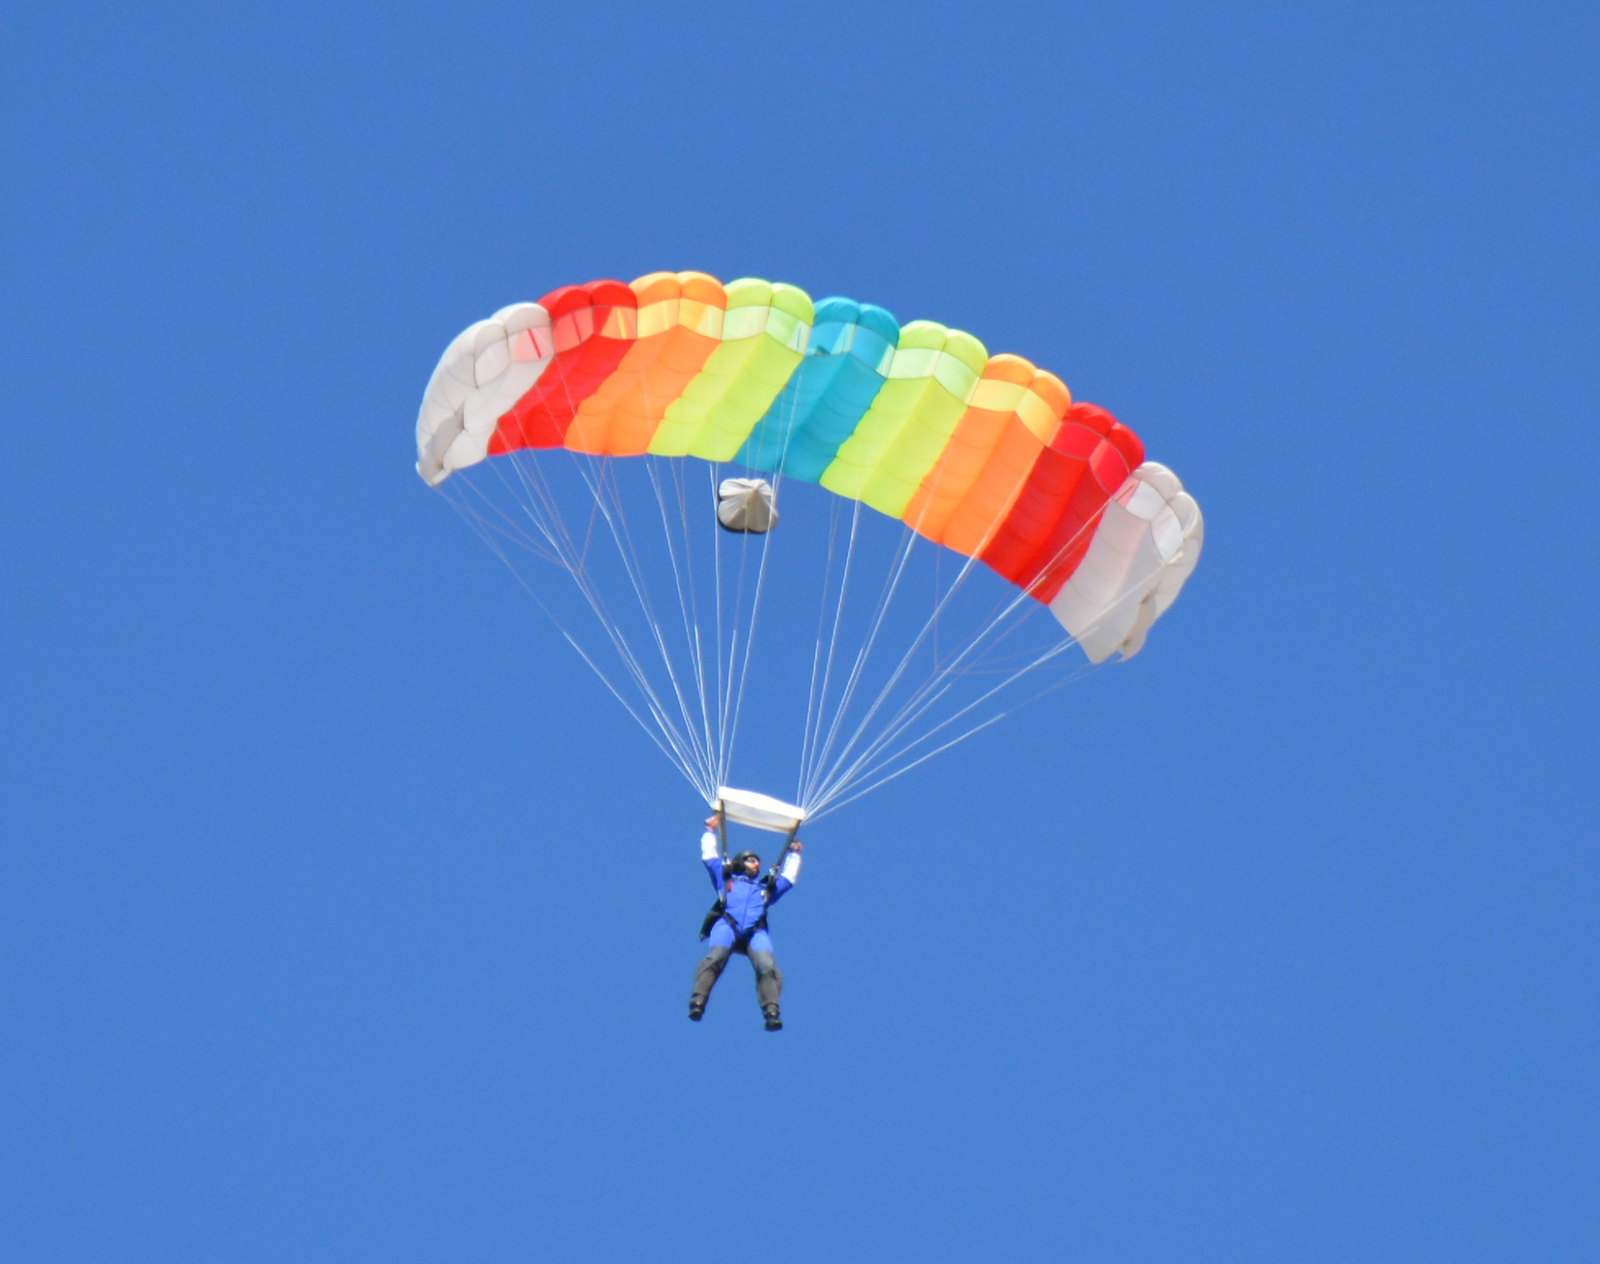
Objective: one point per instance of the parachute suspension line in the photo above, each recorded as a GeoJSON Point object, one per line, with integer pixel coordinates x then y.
{"type": "Point", "coordinates": [715, 678]}
{"type": "Point", "coordinates": [930, 692]}
{"type": "Point", "coordinates": [492, 517]}
{"type": "Point", "coordinates": [686, 603]}
{"type": "Point", "coordinates": [540, 508]}
{"type": "Point", "coordinates": [880, 754]}
{"type": "Point", "coordinates": [730, 605]}
{"type": "Point", "coordinates": [741, 674]}
{"type": "Point", "coordinates": [833, 802]}
{"type": "Point", "coordinates": [926, 695]}
{"type": "Point", "coordinates": [810, 774]}
{"type": "Point", "coordinates": [603, 484]}
{"type": "Point", "coordinates": [742, 620]}
{"type": "Point", "coordinates": [577, 556]}
{"type": "Point", "coordinates": [493, 537]}
{"type": "Point", "coordinates": [884, 601]}
{"type": "Point", "coordinates": [685, 586]}
{"type": "Point", "coordinates": [907, 540]}
{"type": "Point", "coordinates": [539, 500]}
{"type": "Point", "coordinates": [716, 587]}
{"type": "Point", "coordinates": [729, 659]}
{"type": "Point", "coordinates": [537, 492]}
{"type": "Point", "coordinates": [828, 654]}
{"type": "Point", "coordinates": [923, 697]}
{"type": "Point", "coordinates": [761, 575]}
{"type": "Point", "coordinates": [788, 424]}
{"type": "Point", "coordinates": [606, 505]}
{"type": "Point", "coordinates": [813, 699]}
{"type": "Point", "coordinates": [727, 582]}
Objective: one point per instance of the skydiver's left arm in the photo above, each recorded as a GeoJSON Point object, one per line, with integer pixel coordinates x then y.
{"type": "Point", "coordinates": [788, 872]}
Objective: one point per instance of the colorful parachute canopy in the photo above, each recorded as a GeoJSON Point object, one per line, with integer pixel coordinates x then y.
{"type": "Point", "coordinates": [987, 455]}
{"type": "Point", "coordinates": [613, 414]}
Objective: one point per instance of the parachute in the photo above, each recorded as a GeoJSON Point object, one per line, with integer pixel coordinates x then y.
{"type": "Point", "coordinates": [952, 520]}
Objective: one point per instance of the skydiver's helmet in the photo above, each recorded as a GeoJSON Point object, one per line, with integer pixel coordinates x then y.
{"type": "Point", "coordinates": [736, 866]}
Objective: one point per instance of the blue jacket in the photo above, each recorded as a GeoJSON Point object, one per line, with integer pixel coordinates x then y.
{"type": "Point", "coordinates": [748, 899]}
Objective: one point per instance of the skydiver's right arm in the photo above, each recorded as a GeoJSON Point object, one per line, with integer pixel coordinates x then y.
{"type": "Point", "coordinates": [711, 855]}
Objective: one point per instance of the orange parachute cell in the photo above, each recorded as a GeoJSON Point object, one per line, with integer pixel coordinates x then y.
{"type": "Point", "coordinates": [678, 326]}
{"type": "Point", "coordinates": [1014, 411]}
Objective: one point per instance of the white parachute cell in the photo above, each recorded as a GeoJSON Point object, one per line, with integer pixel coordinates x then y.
{"type": "Point", "coordinates": [1145, 548]}
{"type": "Point", "coordinates": [483, 372]}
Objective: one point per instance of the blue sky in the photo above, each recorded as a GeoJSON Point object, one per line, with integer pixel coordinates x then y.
{"type": "Point", "coordinates": [347, 918]}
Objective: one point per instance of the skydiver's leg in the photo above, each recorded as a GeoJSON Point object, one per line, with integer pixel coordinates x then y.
{"type": "Point", "coordinates": [710, 968]}
{"type": "Point", "coordinates": [706, 975]}
{"type": "Point", "coordinates": [769, 979]}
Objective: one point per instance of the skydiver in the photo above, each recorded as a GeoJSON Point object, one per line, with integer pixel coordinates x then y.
{"type": "Point", "coordinates": [738, 922]}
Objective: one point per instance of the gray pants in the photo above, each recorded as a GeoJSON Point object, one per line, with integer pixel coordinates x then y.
{"type": "Point", "coordinates": [769, 979]}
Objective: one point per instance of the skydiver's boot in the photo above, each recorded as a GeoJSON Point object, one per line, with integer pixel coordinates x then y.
{"type": "Point", "coordinates": [774, 1022]}
{"type": "Point", "coordinates": [706, 975]}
